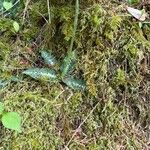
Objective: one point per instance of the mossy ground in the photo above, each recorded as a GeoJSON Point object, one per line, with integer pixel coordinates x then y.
{"type": "Point", "coordinates": [113, 58]}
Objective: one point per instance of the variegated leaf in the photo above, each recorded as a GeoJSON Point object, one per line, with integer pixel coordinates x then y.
{"type": "Point", "coordinates": [45, 74]}
{"type": "Point", "coordinates": [68, 64]}
{"type": "Point", "coordinates": [48, 58]}
{"type": "Point", "coordinates": [15, 78]}
{"type": "Point", "coordinates": [75, 84]}
{"type": "Point", "coordinates": [3, 83]}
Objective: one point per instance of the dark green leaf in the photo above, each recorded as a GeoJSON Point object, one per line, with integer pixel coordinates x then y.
{"type": "Point", "coordinates": [12, 120]}
{"type": "Point", "coordinates": [68, 64]}
{"type": "Point", "coordinates": [45, 74]}
{"type": "Point", "coordinates": [75, 83]}
{"type": "Point", "coordinates": [48, 58]}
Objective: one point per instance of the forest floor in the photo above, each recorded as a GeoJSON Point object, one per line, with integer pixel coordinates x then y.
{"type": "Point", "coordinates": [113, 57]}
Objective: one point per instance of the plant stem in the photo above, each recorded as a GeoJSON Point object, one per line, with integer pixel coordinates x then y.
{"type": "Point", "coordinates": [75, 24]}
{"type": "Point", "coordinates": [49, 13]}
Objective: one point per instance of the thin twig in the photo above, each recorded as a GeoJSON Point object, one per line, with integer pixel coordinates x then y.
{"type": "Point", "coordinates": [49, 12]}
{"type": "Point", "coordinates": [40, 14]}
{"type": "Point", "coordinates": [25, 10]}
{"type": "Point", "coordinates": [66, 146]}
{"type": "Point", "coordinates": [53, 100]}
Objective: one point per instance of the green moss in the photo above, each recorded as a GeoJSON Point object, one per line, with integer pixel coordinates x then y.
{"type": "Point", "coordinates": [113, 55]}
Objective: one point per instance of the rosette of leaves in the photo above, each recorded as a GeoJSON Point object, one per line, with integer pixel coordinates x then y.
{"type": "Point", "coordinates": [10, 120]}
{"type": "Point", "coordinates": [64, 74]}
{"type": "Point", "coordinates": [10, 8]}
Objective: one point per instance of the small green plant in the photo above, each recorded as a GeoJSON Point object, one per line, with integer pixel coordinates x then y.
{"type": "Point", "coordinates": [65, 71]}
{"type": "Point", "coordinates": [10, 120]}
{"type": "Point", "coordinates": [66, 68]}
